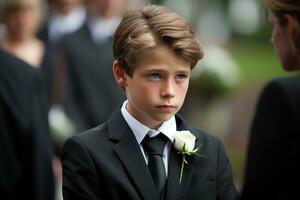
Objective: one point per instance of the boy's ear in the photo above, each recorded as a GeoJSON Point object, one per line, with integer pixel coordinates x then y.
{"type": "Point", "coordinates": [119, 74]}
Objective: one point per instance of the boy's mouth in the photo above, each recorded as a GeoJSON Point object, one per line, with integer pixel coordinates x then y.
{"type": "Point", "coordinates": [166, 107]}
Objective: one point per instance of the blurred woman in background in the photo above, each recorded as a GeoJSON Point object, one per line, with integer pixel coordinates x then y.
{"type": "Point", "coordinates": [22, 19]}
{"type": "Point", "coordinates": [25, 146]}
{"type": "Point", "coordinates": [272, 168]}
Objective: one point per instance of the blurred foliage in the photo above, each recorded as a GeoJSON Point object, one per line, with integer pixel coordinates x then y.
{"type": "Point", "coordinates": [209, 84]}
{"type": "Point", "coordinates": [257, 60]}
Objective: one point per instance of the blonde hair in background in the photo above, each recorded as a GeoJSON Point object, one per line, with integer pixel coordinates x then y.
{"type": "Point", "coordinates": [152, 26]}
{"type": "Point", "coordinates": [291, 7]}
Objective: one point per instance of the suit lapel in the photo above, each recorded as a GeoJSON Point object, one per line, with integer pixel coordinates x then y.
{"type": "Point", "coordinates": [129, 153]}
{"type": "Point", "coordinates": [176, 190]}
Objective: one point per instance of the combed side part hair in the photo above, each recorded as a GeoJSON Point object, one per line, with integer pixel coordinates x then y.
{"type": "Point", "coordinates": [152, 26]}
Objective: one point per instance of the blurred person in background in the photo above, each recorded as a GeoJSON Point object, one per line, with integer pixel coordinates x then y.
{"type": "Point", "coordinates": [25, 145]}
{"type": "Point", "coordinates": [90, 93]}
{"type": "Point", "coordinates": [22, 19]}
{"type": "Point", "coordinates": [65, 16]}
{"type": "Point", "coordinates": [272, 168]}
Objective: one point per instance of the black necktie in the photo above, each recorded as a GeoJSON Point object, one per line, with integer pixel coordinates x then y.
{"type": "Point", "coordinates": [155, 146]}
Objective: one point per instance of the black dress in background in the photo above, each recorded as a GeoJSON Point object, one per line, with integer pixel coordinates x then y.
{"type": "Point", "coordinates": [25, 145]}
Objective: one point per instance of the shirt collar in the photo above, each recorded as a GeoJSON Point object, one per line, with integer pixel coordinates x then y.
{"type": "Point", "coordinates": [168, 128]}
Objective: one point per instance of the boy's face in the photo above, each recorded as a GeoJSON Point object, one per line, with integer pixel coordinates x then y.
{"type": "Point", "coordinates": [156, 90]}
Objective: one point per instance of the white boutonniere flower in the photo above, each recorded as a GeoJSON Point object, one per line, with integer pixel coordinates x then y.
{"type": "Point", "coordinates": [184, 143]}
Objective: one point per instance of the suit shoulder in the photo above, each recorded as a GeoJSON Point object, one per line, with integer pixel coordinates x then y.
{"type": "Point", "coordinates": [288, 80]}
{"type": "Point", "coordinates": [286, 84]}
{"type": "Point", "coordinates": [286, 89]}
{"type": "Point", "coordinates": [99, 135]}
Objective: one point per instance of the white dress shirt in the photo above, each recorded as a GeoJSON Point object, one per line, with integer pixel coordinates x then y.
{"type": "Point", "coordinates": [168, 128]}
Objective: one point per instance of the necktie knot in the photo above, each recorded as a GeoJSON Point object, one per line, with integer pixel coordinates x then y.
{"type": "Point", "coordinates": [155, 145]}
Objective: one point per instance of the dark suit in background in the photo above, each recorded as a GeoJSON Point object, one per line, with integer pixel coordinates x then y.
{"type": "Point", "coordinates": [91, 91]}
{"type": "Point", "coordinates": [25, 146]}
{"type": "Point", "coordinates": [107, 163]}
{"type": "Point", "coordinates": [272, 168]}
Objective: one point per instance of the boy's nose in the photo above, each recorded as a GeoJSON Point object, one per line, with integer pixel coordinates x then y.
{"type": "Point", "coordinates": [168, 90]}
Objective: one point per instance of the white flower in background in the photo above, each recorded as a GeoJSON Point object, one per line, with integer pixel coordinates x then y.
{"type": "Point", "coordinates": [217, 64]}
{"type": "Point", "coordinates": [60, 125]}
{"type": "Point", "coordinates": [245, 16]}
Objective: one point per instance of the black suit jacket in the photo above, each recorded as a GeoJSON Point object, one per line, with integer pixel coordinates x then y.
{"type": "Point", "coordinates": [106, 163]}
{"type": "Point", "coordinates": [273, 153]}
{"type": "Point", "coordinates": [25, 146]}
{"type": "Point", "coordinates": [91, 93]}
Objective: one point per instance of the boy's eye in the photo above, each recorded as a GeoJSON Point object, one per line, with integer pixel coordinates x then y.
{"type": "Point", "coordinates": [181, 77]}
{"type": "Point", "coordinates": [154, 76]}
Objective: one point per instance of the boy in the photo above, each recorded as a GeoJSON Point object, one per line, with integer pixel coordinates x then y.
{"type": "Point", "coordinates": [155, 50]}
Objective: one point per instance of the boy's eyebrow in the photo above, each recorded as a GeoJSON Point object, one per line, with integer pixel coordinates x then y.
{"type": "Point", "coordinates": [162, 70]}
{"type": "Point", "coordinates": [184, 71]}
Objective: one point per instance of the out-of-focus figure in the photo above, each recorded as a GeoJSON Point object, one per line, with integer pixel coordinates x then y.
{"type": "Point", "coordinates": [272, 165]}
{"type": "Point", "coordinates": [21, 19]}
{"type": "Point", "coordinates": [25, 146]}
{"type": "Point", "coordinates": [91, 94]}
{"type": "Point", "coordinates": [65, 16]}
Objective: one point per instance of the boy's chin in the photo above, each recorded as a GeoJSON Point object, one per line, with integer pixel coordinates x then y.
{"type": "Point", "coordinates": [164, 117]}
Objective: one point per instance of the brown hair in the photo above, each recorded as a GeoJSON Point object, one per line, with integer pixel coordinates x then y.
{"type": "Point", "coordinates": [291, 7]}
{"type": "Point", "coordinates": [149, 27]}
{"type": "Point", "coordinates": [8, 7]}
